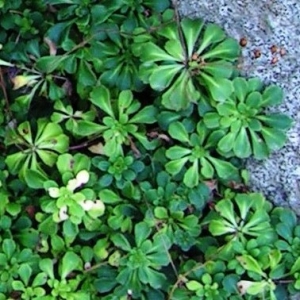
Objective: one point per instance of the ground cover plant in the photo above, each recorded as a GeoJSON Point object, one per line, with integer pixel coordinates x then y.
{"type": "Point", "coordinates": [123, 132]}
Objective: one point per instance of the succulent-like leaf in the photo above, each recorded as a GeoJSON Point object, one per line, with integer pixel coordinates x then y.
{"type": "Point", "coordinates": [220, 89]}
{"type": "Point", "coordinates": [228, 50]}
{"type": "Point", "coordinates": [272, 95]}
{"type": "Point", "coordinates": [242, 146]}
{"type": "Point", "coordinates": [175, 166]}
{"type": "Point", "coordinates": [212, 34]}
{"type": "Point", "coordinates": [163, 76]}
{"type": "Point", "coordinates": [191, 176]}
{"type": "Point", "coordinates": [100, 96]}
{"type": "Point", "coordinates": [274, 138]}
{"type": "Point", "coordinates": [178, 132]}
{"type": "Point", "coordinates": [191, 30]}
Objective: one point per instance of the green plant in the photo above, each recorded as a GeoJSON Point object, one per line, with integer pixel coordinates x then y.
{"type": "Point", "coordinates": [249, 130]}
{"type": "Point", "coordinates": [122, 130]}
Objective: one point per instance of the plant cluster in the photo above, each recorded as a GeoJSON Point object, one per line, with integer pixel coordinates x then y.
{"type": "Point", "coordinates": [123, 131]}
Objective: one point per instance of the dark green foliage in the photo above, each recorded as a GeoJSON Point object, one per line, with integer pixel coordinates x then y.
{"type": "Point", "coordinates": [121, 129]}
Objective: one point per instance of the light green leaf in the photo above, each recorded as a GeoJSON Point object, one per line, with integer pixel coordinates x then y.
{"type": "Point", "coordinates": [141, 232]}
{"type": "Point", "coordinates": [163, 76]}
{"type": "Point", "coordinates": [174, 167]}
{"type": "Point", "coordinates": [260, 149]}
{"type": "Point", "coordinates": [219, 88]}
{"type": "Point", "coordinates": [250, 264]}
{"type": "Point", "coordinates": [227, 50]}
{"type": "Point", "coordinates": [224, 169]}
{"type": "Point", "coordinates": [174, 48]}
{"type": "Point", "coordinates": [220, 227]}
{"type": "Point", "coordinates": [34, 178]}
{"type": "Point", "coordinates": [206, 168]}
{"type": "Point", "coordinates": [191, 176]}
{"type": "Point", "coordinates": [191, 29]}
{"type": "Point", "coordinates": [120, 241]}
{"type": "Point", "coordinates": [88, 128]}
{"type": "Point", "coordinates": [240, 88]}
{"type": "Point", "coordinates": [46, 265]}
{"type": "Point", "coordinates": [254, 100]}
{"type": "Point", "coordinates": [218, 69]}
{"type": "Point", "coordinates": [178, 132]}
{"type": "Point", "coordinates": [274, 138]}
{"type": "Point", "coordinates": [48, 64]}
{"type": "Point", "coordinates": [100, 96]}
{"type": "Point", "coordinates": [277, 120]}
{"type": "Point", "coordinates": [242, 146]}
{"type": "Point", "coordinates": [153, 53]}
{"type": "Point", "coordinates": [226, 143]}
{"type": "Point", "coordinates": [296, 266]}
{"type": "Point", "coordinates": [212, 120]}
{"type": "Point", "coordinates": [70, 262]}
{"type": "Point", "coordinates": [25, 272]}
{"type": "Point", "coordinates": [212, 34]}
{"type": "Point", "coordinates": [108, 196]}
{"type": "Point", "coordinates": [226, 210]}
{"type": "Point", "coordinates": [272, 95]}
{"type": "Point", "coordinates": [177, 152]}
{"type": "Point", "coordinates": [146, 115]}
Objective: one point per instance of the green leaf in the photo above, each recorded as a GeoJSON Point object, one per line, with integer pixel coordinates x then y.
{"type": "Point", "coordinates": [100, 96]}
{"type": "Point", "coordinates": [240, 88]}
{"type": "Point", "coordinates": [212, 34]}
{"type": "Point", "coordinates": [48, 64]}
{"type": "Point", "coordinates": [120, 241]}
{"type": "Point", "coordinates": [177, 152]}
{"type": "Point", "coordinates": [207, 169]}
{"type": "Point", "coordinates": [174, 167]}
{"type": "Point", "coordinates": [141, 232]}
{"type": "Point", "coordinates": [274, 138]}
{"type": "Point", "coordinates": [225, 209]}
{"type": "Point", "coordinates": [226, 143]}
{"type": "Point", "coordinates": [108, 196]}
{"type": "Point", "coordinates": [219, 88]}
{"type": "Point", "coordinates": [191, 176]}
{"type": "Point", "coordinates": [178, 132]}
{"type": "Point", "coordinates": [87, 128]}
{"type": "Point", "coordinates": [34, 178]}
{"type": "Point", "coordinates": [25, 272]}
{"type": "Point", "coordinates": [224, 169]}
{"type": "Point", "coordinates": [296, 266]}
{"type": "Point", "coordinates": [70, 262]}
{"type": "Point", "coordinates": [277, 120]}
{"type": "Point", "coordinates": [146, 115]}
{"type": "Point", "coordinates": [212, 120]}
{"type": "Point", "coordinates": [254, 100]}
{"type": "Point", "coordinates": [191, 29]}
{"type": "Point", "coordinates": [153, 53]}
{"type": "Point", "coordinates": [8, 247]}
{"type": "Point", "coordinates": [272, 95]}
{"type": "Point", "coordinates": [194, 285]}
{"type": "Point", "coordinates": [227, 50]}
{"type": "Point", "coordinates": [242, 146]}
{"type": "Point", "coordinates": [46, 265]}
{"type": "Point", "coordinates": [161, 213]}
{"type": "Point", "coordinates": [260, 149]}
{"type": "Point", "coordinates": [163, 76]}
{"type": "Point", "coordinates": [174, 48]}
{"type": "Point", "coordinates": [251, 264]}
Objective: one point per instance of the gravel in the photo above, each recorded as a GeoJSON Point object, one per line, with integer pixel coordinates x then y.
{"type": "Point", "coordinates": [266, 23]}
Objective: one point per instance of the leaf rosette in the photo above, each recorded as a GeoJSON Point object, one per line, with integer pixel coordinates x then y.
{"type": "Point", "coordinates": [195, 59]}
{"type": "Point", "coordinates": [249, 129]}
{"type": "Point", "coordinates": [196, 155]}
